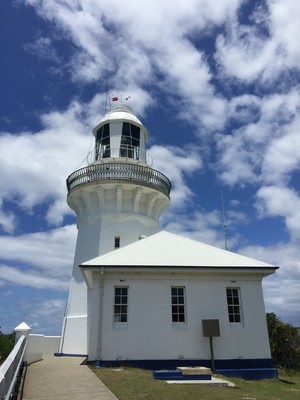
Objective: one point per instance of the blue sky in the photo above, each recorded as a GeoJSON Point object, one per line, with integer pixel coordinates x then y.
{"type": "Point", "coordinates": [217, 86]}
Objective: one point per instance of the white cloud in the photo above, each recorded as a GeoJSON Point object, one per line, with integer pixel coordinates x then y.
{"type": "Point", "coordinates": [42, 262]}
{"type": "Point", "coordinates": [263, 154]}
{"type": "Point", "coordinates": [285, 27]}
{"type": "Point", "coordinates": [44, 316]}
{"type": "Point", "coordinates": [265, 50]}
{"type": "Point", "coordinates": [244, 109]}
{"type": "Point", "coordinates": [135, 44]}
{"type": "Point", "coordinates": [263, 148]}
{"type": "Point", "coordinates": [7, 221]}
{"type": "Point", "coordinates": [43, 48]}
{"type": "Point", "coordinates": [35, 165]}
{"type": "Point", "coordinates": [49, 254]}
{"type": "Point", "coordinates": [14, 276]}
{"type": "Point", "coordinates": [281, 201]}
{"type": "Point", "coordinates": [175, 163]}
{"type": "Point", "coordinates": [282, 159]}
{"type": "Point", "coordinates": [205, 227]}
{"type": "Point", "coordinates": [245, 55]}
{"type": "Point", "coordinates": [282, 289]}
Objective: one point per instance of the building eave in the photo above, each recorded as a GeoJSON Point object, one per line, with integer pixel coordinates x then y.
{"type": "Point", "coordinates": [88, 271]}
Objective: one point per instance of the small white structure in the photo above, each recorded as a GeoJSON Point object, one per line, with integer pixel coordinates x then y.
{"type": "Point", "coordinates": [147, 297]}
{"type": "Point", "coordinates": [37, 344]}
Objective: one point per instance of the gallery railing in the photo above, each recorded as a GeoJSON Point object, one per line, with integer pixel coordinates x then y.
{"type": "Point", "coordinates": [122, 172]}
{"type": "Point", "coordinates": [123, 151]}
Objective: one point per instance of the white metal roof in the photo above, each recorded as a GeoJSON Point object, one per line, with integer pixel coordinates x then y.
{"type": "Point", "coordinates": [120, 112]}
{"type": "Point", "coordinates": [167, 249]}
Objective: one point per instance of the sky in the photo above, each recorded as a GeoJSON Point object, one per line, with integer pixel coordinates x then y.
{"type": "Point", "coordinates": [217, 85]}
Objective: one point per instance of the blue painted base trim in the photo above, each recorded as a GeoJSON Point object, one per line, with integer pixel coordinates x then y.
{"type": "Point", "coordinates": [69, 355]}
{"type": "Point", "coordinates": [176, 375]}
{"type": "Point", "coordinates": [250, 373]}
{"type": "Point", "coordinates": [239, 368]}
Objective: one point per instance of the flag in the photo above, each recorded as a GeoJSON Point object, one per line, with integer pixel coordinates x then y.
{"type": "Point", "coordinates": [115, 98]}
{"type": "Point", "coordinates": [128, 97]}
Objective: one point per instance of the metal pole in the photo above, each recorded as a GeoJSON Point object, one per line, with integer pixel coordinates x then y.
{"type": "Point", "coordinates": [212, 353]}
{"type": "Point", "coordinates": [224, 221]}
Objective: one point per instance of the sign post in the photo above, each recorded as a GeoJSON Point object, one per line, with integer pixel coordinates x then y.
{"type": "Point", "coordinates": [211, 329]}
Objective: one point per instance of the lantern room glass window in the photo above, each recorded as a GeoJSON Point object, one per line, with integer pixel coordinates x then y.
{"type": "Point", "coordinates": [103, 142]}
{"type": "Point", "coordinates": [130, 141]}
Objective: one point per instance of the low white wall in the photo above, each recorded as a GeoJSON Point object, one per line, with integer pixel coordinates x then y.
{"type": "Point", "coordinates": [51, 344]}
{"type": "Point", "coordinates": [34, 348]}
{"type": "Point", "coordinates": [38, 345]}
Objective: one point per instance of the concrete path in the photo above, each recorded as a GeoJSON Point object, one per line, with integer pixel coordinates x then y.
{"type": "Point", "coordinates": [63, 378]}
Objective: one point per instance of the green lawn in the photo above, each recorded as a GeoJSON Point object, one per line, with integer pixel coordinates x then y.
{"type": "Point", "coordinates": [137, 384]}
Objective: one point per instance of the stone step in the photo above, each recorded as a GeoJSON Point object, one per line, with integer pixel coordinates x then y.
{"type": "Point", "coordinates": [167, 374]}
{"type": "Point", "coordinates": [195, 370]}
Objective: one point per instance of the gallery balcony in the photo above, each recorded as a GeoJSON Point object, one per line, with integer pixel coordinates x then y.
{"type": "Point", "coordinates": [120, 172]}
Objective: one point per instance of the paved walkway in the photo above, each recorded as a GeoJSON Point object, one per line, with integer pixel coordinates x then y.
{"type": "Point", "coordinates": [63, 378]}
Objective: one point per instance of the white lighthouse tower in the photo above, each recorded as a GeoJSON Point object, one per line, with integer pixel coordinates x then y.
{"type": "Point", "coordinates": [118, 199]}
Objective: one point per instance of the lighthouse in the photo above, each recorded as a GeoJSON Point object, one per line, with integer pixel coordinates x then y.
{"type": "Point", "coordinates": [118, 199]}
{"type": "Point", "coordinates": [151, 298]}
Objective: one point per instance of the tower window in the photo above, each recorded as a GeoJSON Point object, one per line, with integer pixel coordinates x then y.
{"type": "Point", "coordinates": [103, 142]}
{"type": "Point", "coordinates": [233, 304]}
{"type": "Point", "coordinates": [178, 304]}
{"type": "Point", "coordinates": [117, 242]}
{"type": "Point", "coordinates": [121, 304]}
{"type": "Point", "coordinates": [130, 141]}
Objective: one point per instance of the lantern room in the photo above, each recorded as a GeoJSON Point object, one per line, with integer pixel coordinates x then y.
{"type": "Point", "coordinates": [120, 134]}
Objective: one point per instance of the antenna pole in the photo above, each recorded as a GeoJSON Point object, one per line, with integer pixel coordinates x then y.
{"type": "Point", "coordinates": [224, 221]}
{"type": "Point", "coordinates": [106, 96]}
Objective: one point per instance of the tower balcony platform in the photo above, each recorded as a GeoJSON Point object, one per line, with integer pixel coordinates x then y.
{"type": "Point", "coordinates": [120, 172]}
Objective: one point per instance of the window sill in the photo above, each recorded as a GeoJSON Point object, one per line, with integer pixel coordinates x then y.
{"type": "Point", "coordinates": [120, 326]}
{"type": "Point", "coordinates": [179, 326]}
{"type": "Point", "coordinates": [236, 325]}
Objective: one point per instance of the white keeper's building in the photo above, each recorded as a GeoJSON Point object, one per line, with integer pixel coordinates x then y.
{"type": "Point", "coordinates": [147, 297]}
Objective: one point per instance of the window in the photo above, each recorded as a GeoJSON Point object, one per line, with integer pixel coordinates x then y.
{"type": "Point", "coordinates": [103, 142]}
{"type": "Point", "coordinates": [130, 141]}
{"type": "Point", "coordinates": [121, 304]}
{"type": "Point", "coordinates": [234, 305]}
{"type": "Point", "coordinates": [178, 304]}
{"type": "Point", "coordinates": [117, 242]}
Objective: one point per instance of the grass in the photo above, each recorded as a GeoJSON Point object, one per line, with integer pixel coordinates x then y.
{"type": "Point", "coordinates": [137, 384]}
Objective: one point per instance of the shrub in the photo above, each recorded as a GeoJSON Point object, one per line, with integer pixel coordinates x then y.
{"type": "Point", "coordinates": [284, 343]}
{"type": "Point", "coordinates": [7, 342]}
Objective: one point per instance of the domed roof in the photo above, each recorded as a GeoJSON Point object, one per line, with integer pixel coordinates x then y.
{"type": "Point", "coordinates": [122, 112]}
